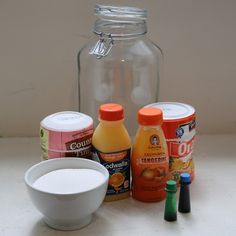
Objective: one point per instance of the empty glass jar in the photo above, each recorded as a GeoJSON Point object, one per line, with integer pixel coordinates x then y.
{"type": "Point", "coordinates": [119, 64]}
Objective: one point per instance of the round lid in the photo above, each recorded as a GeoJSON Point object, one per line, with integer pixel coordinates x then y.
{"type": "Point", "coordinates": [150, 116]}
{"type": "Point", "coordinates": [174, 110]}
{"type": "Point", "coordinates": [120, 11]}
{"type": "Point", "coordinates": [111, 112]}
{"type": "Point", "coordinates": [66, 121]}
{"type": "Point", "coordinates": [171, 186]}
{"type": "Point", "coordinates": [185, 178]}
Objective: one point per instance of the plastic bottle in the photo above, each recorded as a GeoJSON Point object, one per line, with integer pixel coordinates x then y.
{"type": "Point", "coordinates": [149, 161]}
{"type": "Point", "coordinates": [111, 147]}
{"type": "Point", "coordinates": [170, 204]}
{"type": "Point", "coordinates": [184, 196]}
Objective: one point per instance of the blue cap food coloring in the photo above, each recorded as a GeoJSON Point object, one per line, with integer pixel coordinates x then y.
{"type": "Point", "coordinates": [184, 196]}
{"type": "Point", "coordinates": [185, 178]}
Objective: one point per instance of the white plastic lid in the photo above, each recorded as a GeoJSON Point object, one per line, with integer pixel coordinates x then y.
{"type": "Point", "coordinates": [174, 110]}
{"type": "Point", "coordinates": [66, 121]}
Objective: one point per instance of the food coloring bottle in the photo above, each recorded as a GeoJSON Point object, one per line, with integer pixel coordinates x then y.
{"type": "Point", "coordinates": [184, 196]}
{"type": "Point", "coordinates": [170, 204]}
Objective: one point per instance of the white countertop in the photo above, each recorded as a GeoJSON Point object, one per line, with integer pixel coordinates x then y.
{"type": "Point", "coordinates": [213, 197]}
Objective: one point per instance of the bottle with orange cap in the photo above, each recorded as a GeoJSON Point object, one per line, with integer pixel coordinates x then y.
{"type": "Point", "coordinates": [112, 148]}
{"type": "Point", "coordinates": [149, 161]}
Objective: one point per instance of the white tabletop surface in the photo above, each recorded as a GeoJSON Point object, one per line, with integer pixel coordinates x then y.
{"type": "Point", "coordinates": [213, 197]}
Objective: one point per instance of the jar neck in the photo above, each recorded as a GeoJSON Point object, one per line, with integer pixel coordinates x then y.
{"type": "Point", "coordinates": [120, 29]}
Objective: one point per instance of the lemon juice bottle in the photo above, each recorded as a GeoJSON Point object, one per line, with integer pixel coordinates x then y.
{"type": "Point", "coordinates": [111, 147]}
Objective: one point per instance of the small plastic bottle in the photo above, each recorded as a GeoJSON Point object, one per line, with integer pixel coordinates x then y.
{"type": "Point", "coordinates": [170, 205]}
{"type": "Point", "coordinates": [111, 147]}
{"type": "Point", "coordinates": [184, 196]}
{"type": "Point", "coordinates": [149, 161]}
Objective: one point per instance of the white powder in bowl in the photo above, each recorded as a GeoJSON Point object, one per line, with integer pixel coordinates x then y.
{"type": "Point", "coordinates": [64, 181]}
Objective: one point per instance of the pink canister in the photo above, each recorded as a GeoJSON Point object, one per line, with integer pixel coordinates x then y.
{"type": "Point", "coordinates": [66, 134]}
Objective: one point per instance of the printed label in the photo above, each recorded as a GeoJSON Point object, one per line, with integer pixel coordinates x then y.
{"type": "Point", "coordinates": [150, 165]}
{"type": "Point", "coordinates": [180, 150]}
{"type": "Point", "coordinates": [118, 166]}
{"type": "Point", "coordinates": [182, 145]}
{"type": "Point", "coordinates": [151, 172]}
{"type": "Point", "coordinates": [43, 133]}
{"type": "Point", "coordinates": [81, 147]}
{"type": "Point", "coordinates": [66, 144]}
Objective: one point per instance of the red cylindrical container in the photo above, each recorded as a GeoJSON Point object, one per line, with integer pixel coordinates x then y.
{"type": "Point", "coordinates": [179, 127]}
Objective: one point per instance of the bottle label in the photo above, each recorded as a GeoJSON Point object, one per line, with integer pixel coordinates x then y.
{"type": "Point", "coordinates": [118, 166]}
{"type": "Point", "coordinates": [150, 166]}
{"type": "Point", "coordinates": [151, 172]}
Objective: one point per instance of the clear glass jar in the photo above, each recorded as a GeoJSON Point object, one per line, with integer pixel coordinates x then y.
{"type": "Point", "coordinates": [119, 64]}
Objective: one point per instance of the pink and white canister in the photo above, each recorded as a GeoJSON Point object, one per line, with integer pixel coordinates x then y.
{"type": "Point", "coordinates": [66, 134]}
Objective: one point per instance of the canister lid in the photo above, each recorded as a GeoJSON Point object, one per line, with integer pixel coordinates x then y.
{"type": "Point", "coordinates": [66, 121]}
{"type": "Point", "coordinates": [120, 11]}
{"type": "Point", "coordinates": [174, 110]}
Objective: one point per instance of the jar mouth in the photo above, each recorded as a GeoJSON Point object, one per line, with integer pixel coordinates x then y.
{"type": "Point", "coordinates": [120, 12]}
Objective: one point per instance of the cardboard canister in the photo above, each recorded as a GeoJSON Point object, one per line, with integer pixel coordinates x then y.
{"type": "Point", "coordinates": [66, 134]}
{"type": "Point", "coordinates": [179, 127]}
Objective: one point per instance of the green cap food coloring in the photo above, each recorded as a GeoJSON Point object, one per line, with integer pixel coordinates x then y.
{"type": "Point", "coordinates": [170, 204]}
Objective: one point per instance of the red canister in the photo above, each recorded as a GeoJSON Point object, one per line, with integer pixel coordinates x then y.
{"type": "Point", "coordinates": [179, 127]}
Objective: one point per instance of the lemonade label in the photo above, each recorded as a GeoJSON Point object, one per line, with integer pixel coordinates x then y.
{"type": "Point", "coordinates": [118, 166]}
{"type": "Point", "coordinates": [180, 139]}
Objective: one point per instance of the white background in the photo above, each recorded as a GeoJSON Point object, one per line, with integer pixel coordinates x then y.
{"type": "Point", "coordinates": [39, 42]}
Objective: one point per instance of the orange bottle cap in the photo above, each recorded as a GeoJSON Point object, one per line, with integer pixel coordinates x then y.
{"type": "Point", "coordinates": [150, 116]}
{"type": "Point", "coordinates": [111, 112]}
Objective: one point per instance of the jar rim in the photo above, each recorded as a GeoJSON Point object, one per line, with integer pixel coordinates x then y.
{"type": "Point", "coordinates": [120, 11]}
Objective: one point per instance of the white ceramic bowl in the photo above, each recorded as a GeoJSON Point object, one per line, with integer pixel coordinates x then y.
{"type": "Point", "coordinates": [66, 211]}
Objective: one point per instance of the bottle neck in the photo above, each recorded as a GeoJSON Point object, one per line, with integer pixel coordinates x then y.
{"type": "Point", "coordinates": [120, 29]}
{"type": "Point", "coordinates": [148, 128]}
{"type": "Point", "coordinates": [170, 191]}
{"type": "Point", "coordinates": [111, 123]}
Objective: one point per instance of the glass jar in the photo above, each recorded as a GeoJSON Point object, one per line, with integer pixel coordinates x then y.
{"type": "Point", "coordinates": [119, 64]}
